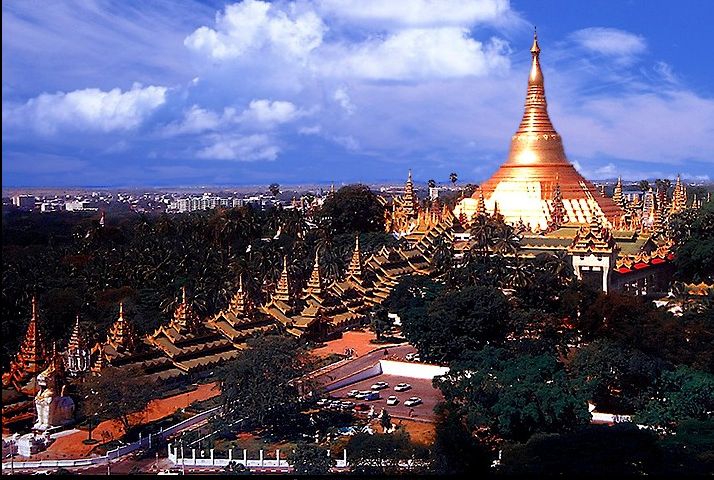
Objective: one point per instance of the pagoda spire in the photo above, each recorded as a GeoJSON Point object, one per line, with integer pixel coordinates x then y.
{"type": "Point", "coordinates": [282, 292]}
{"type": "Point", "coordinates": [617, 192]}
{"type": "Point", "coordinates": [120, 334]}
{"type": "Point", "coordinates": [679, 196]}
{"type": "Point", "coordinates": [410, 200]}
{"type": "Point", "coordinates": [481, 205]}
{"type": "Point", "coordinates": [239, 303]}
{"type": "Point", "coordinates": [558, 209]}
{"type": "Point", "coordinates": [185, 319]}
{"type": "Point", "coordinates": [31, 358]}
{"type": "Point", "coordinates": [78, 355]}
{"type": "Point", "coordinates": [354, 271]}
{"type": "Point", "coordinates": [314, 284]}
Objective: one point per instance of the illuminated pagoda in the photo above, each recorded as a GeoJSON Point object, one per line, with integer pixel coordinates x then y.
{"type": "Point", "coordinates": [403, 214]}
{"type": "Point", "coordinates": [524, 186]}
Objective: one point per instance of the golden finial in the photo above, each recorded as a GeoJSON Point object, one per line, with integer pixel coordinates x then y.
{"type": "Point", "coordinates": [34, 307]}
{"type": "Point", "coordinates": [240, 282]}
{"type": "Point", "coordinates": [121, 310]}
{"type": "Point", "coordinates": [317, 257]}
{"type": "Point", "coordinates": [535, 49]}
{"type": "Point", "coordinates": [183, 294]}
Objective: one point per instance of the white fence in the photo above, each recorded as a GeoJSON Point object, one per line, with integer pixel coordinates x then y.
{"type": "Point", "coordinates": [176, 456]}
{"type": "Point", "coordinates": [116, 453]}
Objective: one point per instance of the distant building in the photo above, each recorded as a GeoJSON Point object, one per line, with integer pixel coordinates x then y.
{"type": "Point", "coordinates": [25, 202]}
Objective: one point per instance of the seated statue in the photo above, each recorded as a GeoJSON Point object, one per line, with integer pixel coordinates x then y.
{"type": "Point", "coordinates": [53, 410]}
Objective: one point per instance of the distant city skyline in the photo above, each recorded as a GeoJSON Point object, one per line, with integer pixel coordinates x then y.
{"type": "Point", "coordinates": [164, 94]}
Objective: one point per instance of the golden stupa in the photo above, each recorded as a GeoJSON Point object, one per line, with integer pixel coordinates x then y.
{"type": "Point", "coordinates": [522, 190]}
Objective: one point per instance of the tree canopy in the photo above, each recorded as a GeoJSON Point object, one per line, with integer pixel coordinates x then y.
{"type": "Point", "coordinates": [353, 209]}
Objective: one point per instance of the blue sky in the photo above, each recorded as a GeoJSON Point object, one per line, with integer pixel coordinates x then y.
{"type": "Point", "coordinates": [210, 93]}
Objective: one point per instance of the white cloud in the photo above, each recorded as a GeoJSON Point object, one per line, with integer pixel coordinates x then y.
{"type": "Point", "coordinates": [419, 54]}
{"type": "Point", "coordinates": [197, 120]}
{"type": "Point", "coordinates": [664, 127]}
{"type": "Point", "coordinates": [610, 41]}
{"type": "Point", "coordinates": [254, 25]}
{"type": "Point", "coordinates": [90, 109]}
{"type": "Point", "coordinates": [343, 99]}
{"type": "Point", "coordinates": [240, 148]}
{"type": "Point", "coordinates": [311, 130]}
{"type": "Point", "coordinates": [268, 112]}
{"type": "Point", "coordinates": [419, 13]}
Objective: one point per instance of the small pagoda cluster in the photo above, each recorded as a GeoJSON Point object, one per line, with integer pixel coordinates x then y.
{"type": "Point", "coordinates": [404, 215]}
{"type": "Point", "coordinates": [653, 211]}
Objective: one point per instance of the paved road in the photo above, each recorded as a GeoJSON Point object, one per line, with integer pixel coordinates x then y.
{"type": "Point", "coordinates": [364, 361]}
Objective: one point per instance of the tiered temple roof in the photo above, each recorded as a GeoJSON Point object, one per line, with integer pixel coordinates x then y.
{"type": "Point", "coordinates": [189, 343]}
{"type": "Point", "coordinates": [30, 360]}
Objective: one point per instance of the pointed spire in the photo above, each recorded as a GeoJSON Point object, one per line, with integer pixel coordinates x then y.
{"type": "Point", "coordinates": [354, 271]}
{"type": "Point", "coordinates": [282, 291]}
{"type": "Point", "coordinates": [76, 341]}
{"type": "Point", "coordinates": [239, 303]}
{"type": "Point", "coordinates": [557, 206]}
{"type": "Point", "coordinates": [314, 284]}
{"type": "Point", "coordinates": [102, 219]}
{"type": "Point", "coordinates": [617, 192]}
{"type": "Point", "coordinates": [121, 336]}
{"type": "Point", "coordinates": [31, 359]}
{"type": "Point", "coordinates": [481, 205]}
{"type": "Point", "coordinates": [410, 200]}
{"type": "Point", "coordinates": [185, 320]}
{"type": "Point", "coordinates": [536, 76]}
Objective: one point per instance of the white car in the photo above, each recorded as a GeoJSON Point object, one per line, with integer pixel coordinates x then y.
{"type": "Point", "coordinates": [379, 386]}
{"type": "Point", "coordinates": [402, 387]}
{"type": "Point", "coordinates": [409, 356]}
{"type": "Point", "coordinates": [352, 393]}
{"type": "Point", "coordinates": [322, 402]}
{"type": "Point", "coordinates": [363, 394]}
{"type": "Point", "coordinates": [416, 358]}
{"type": "Point", "coordinates": [392, 400]}
{"type": "Point", "coordinates": [413, 401]}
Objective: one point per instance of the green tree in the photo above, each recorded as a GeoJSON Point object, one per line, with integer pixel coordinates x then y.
{"type": "Point", "coordinates": [513, 397]}
{"type": "Point", "coordinates": [386, 421]}
{"type": "Point", "coordinates": [380, 454]}
{"type": "Point", "coordinates": [679, 395]}
{"type": "Point", "coordinates": [353, 208]}
{"type": "Point", "coordinates": [380, 321]}
{"type": "Point", "coordinates": [616, 377]}
{"type": "Point", "coordinates": [258, 388]}
{"type": "Point", "coordinates": [644, 185]}
{"type": "Point", "coordinates": [274, 189]}
{"type": "Point", "coordinates": [458, 321]}
{"type": "Point", "coordinates": [310, 459]}
{"type": "Point", "coordinates": [115, 393]}
{"type": "Point", "coordinates": [693, 232]}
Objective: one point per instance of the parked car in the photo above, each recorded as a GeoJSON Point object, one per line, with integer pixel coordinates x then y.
{"type": "Point", "coordinates": [402, 387]}
{"type": "Point", "coordinates": [372, 396]}
{"type": "Point", "coordinates": [379, 386]}
{"type": "Point", "coordinates": [347, 405]}
{"type": "Point", "coordinates": [392, 400]}
{"type": "Point", "coordinates": [363, 394]}
{"type": "Point", "coordinates": [416, 358]}
{"type": "Point", "coordinates": [413, 401]}
{"type": "Point", "coordinates": [409, 356]}
{"type": "Point", "coordinates": [335, 404]}
{"type": "Point", "coordinates": [352, 393]}
{"type": "Point", "coordinates": [322, 402]}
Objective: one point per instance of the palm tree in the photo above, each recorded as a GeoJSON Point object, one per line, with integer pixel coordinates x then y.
{"type": "Point", "coordinates": [453, 177]}
{"type": "Point", "coordinates": [505, 240]}
{"type": "Point", "coordinates": [431, 183]}
{"type": "Point", "coordinates": [481, 234]}
{"type": "Point", "coordinates": [519, 273]}
{"type": "Point", "coordinates": [559, 265]}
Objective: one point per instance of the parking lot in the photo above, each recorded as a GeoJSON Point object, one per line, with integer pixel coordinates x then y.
{"type": "Point", "coordinates": [420, 388]}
